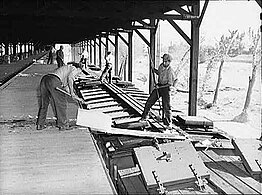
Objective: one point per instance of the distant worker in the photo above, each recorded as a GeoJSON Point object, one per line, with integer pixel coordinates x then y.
{"type": "Point", "coordinates": [107, 72]}
{"type": "Point", "coordinates": [50, 55]}
{"type": "Point", "coordinates": [60, 57]}
{"type": "Point", "coordinates": [84, 58]}
{"type": "Point", "coordinates": [166, 80]}
{"type": "Point", "coordinates": [50, 89]}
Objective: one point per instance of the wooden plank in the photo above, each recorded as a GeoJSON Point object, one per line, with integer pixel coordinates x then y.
{"type": "Point", "coordinates": [99, 96]}
{"type": "Point", "coordinates": [104, 104]}
{"type": "Point", "coordinates": [234, 170]}
{"type": "Point", "coordinates": [126, 120]}
{"type": "Point", "coordinates": [193, 190]}
{"type": "Point", "coordinates": [90, 90]}
{"type": "Point", "coordinates": [101, 100]}
{"type": "Point", "coordinates": [90, 93]}
{"type": "Point", "coordinates": [249, 153]}
{"type": "Point", "coordinates": [139, 95]}
{"type": "Point", "coordinates": [118, 114]}
{"type": "Point", "coordinates": [137, 133]}
{"type": "Point", "coordinates": [133, 185]}
{"type": "Point", "coordinates": [109, 109]}
{"type": "Point", "coordinates": [217, 180]}
{"type": "Point", "coordinates": [229, 175]}
{"type": "Point", "coordinates": [133, 125]}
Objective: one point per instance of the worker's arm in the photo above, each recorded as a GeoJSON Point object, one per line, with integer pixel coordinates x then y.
{"type": "Point", "coordinates": [70, 81]}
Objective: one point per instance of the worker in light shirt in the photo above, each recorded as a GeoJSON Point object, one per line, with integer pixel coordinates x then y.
{"type": "Point", "coordinates": [166, 80]}
{"type": "Point", "coordinates": [84, 58]}
{"type": "Point", "coordinates": [50, 89]}
{"type": "Point", "coordinates": [108, 68]}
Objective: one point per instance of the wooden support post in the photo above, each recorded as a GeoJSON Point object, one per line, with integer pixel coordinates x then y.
{"type": "Point", "coordinates": [94, 51]}
{"type": "Point", "coordinates": [107, 42]}
{"type": "Point", "coordinates": [14, 49]}
{"type": "Point", "coordinates": [152, 54]}
{"type": "Point", "coordinates": [6, 48]}
{"type": "Point", "coordinates": [194, 50]}
{"type": "Point", "coordinates": [116, 54]}
{"type": "Point", "coordinates": [100, 51]}
{"type": "Point", "coordinates": [91, 52]}
{"type": "Point", "coordinates": [25, 50]}
{"type": "Point", "coordinates": [130, 55]}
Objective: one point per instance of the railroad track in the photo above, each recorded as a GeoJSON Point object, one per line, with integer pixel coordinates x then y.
{"type": "Point", "coordinates": [124, 103]}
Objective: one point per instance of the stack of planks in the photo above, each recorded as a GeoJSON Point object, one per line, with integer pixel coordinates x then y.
{"type": "Point", "coordinates": [227, 177]}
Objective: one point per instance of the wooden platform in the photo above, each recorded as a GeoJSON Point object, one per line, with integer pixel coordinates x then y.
{"type": "Point", "coordinates": [51, 162]}
{"type": "Point", "coordinates": [47, 161]}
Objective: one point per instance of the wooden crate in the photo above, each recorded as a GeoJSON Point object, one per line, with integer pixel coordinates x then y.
{"type": "Point", "coordinates": [194, 121]}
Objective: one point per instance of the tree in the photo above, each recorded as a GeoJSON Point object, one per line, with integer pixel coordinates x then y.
{"type": "Point", "coordinates": [255, 50]}
{"type": "Point", "coordinates": [227, 47]}
{"type": "Point", "coordinates": [208, 55]}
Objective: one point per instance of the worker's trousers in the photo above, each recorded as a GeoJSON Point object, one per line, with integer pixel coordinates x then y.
{"type": "Point", "coordinates": [107, 72]}
{"type": "Point", "coordinates": [49, 93]}
{"type": "Point", "coordinates": [59, 62]}
{"type": "Point", "coordinates": [154, 96]}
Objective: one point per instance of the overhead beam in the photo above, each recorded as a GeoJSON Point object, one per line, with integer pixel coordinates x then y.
{"type": "Point", "coordinates": [123, 39]}
{"type": "Point", "coordinates": [181, 11]}
{"type": "Point", "coordinates": [180, 31]}
{"type": "Point", "coordinates": [142, 37]}
{"type": "Point", "coordinates": [202, 13]}
{"type": "Point", "coordinates": [179, 17]}
{"type": "Point", "coordinates": [259, 2]}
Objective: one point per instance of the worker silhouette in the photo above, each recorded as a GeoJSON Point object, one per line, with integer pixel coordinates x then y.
{"type": "Point", "coordinates": [60, 57]}
{"type": "Point", "coordinates": [107, 72]}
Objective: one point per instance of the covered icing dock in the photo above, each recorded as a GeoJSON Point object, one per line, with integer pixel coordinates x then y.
{"type": "Point", "coordinates": [87, 161]}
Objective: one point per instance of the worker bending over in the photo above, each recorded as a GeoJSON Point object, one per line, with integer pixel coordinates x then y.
{"type": "Point", "coordinates": [166, 80]}
{"type": "Point", "coordinates": [62, 78]}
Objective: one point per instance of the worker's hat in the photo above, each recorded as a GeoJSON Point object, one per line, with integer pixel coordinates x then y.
{"type": "Point", "coordinates": [167, 57]}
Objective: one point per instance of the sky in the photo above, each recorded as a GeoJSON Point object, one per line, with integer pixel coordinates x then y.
{"type": "Point", "coordinates": [219, 17]}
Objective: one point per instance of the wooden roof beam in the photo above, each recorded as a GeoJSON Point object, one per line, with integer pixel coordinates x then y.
{"type": "Point", "coordinates": [202, 13]}
{"type": "Point", "coordinates": [259, 3]}
{"type": "Point", "coordinates": [180, 31]}
{"type": "Point", "coordinates": [142, 37]}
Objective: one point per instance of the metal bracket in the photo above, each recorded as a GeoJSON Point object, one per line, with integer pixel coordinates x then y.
{"type": "Point", "coordinates": [161, 189]}
{"type": "Point", "coordinates": [155, 143]}
{"type": "Point", "coordinates": [199, 181]}
{"type": "Point", "coordinates": [165, 156]}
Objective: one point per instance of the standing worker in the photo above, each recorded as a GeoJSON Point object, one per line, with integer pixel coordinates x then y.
{"type": "Point", "coordinates": [60, 57]}
{"type": "Point", "coordinates": [108, 68]}
{"type": "Point", "coordinates": [84, 58]}
{"type": "Point", "coordinates": [166, 80]}
{"type": "Point", "coordinates": [62, 78]}
{"type": "Point", "coordinates": [50, 55]}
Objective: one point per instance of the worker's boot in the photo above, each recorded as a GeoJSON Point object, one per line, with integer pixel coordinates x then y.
{"type": "Point", "coordinates": [65, 128]}
{"type": "Point", "coordinates": [40, 127]}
